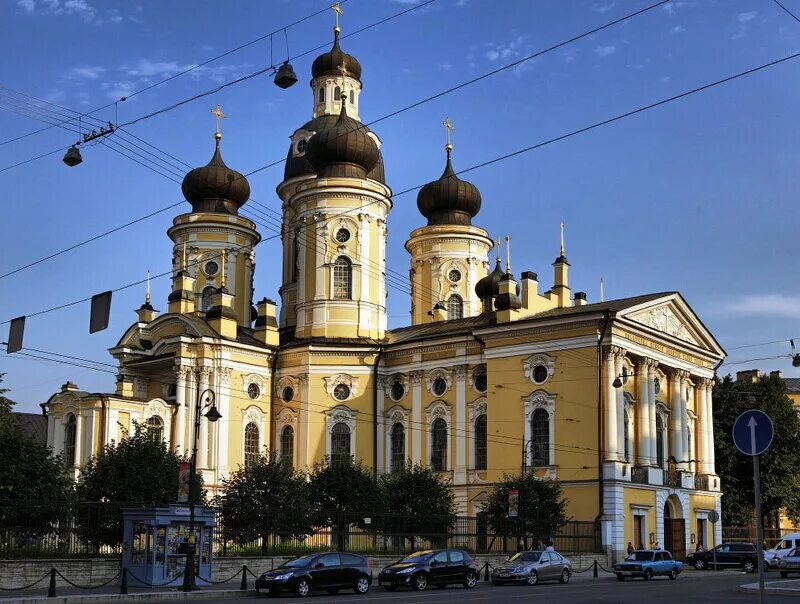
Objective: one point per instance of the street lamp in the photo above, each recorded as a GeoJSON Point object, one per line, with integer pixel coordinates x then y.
{"type": "Point", "coordinates": [191, 543]}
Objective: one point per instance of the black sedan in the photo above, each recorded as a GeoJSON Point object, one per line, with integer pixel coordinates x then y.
{"type": "Point", "coordinates": [439, 567]}
{"type": "Point", "coordinates": [329, 571]}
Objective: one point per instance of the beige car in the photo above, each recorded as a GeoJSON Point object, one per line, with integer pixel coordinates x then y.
{"type": "Point", "coordinates": [789, 563]}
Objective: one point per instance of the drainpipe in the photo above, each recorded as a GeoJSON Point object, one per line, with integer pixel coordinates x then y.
{"type": "Point", "coordinates": [600, 336]}
{"type": "Point", "coordinates": [375, 427]}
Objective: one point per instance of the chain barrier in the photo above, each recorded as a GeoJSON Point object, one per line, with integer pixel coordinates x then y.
{"type": "Point", "coordinates": [76, 585]}
{"type": "Point", "coordinates": [147, 584]}
{"type": "Point", "coordinates": [25, 586]}
{"type": "Point", "coordinates": [210, 582]}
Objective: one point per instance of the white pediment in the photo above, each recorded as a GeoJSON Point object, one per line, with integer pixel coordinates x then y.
{"type": "Point", "coordinates": [664, 318]}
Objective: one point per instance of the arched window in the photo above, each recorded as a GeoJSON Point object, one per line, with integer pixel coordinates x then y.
{"type": "Point", "coordinates": [455, 307]}
{"type": "Point", "coordinates": [296, 256]}
{"type": "Point", "coordinates": [155, 428]}
{"type": "Point", "coordinates": [480, 443]}
{"type": "Point", "coordinates": [287, 445]}
{"type": "Point", "coordinates": [342, 279]}
{"type": "Point", "coordinates": [205, 299]}
{"type": "Point", "coordinates": [337, 94]}
{"type": "Point", "coordinates": [660, 440]}
{"type": "Point", "coordinates": [69, 440]}
{"type": "Point", "coordinates": [352, 96]}
{"type": "Point", "coordinates": [398, 447]}
{"type": "Point", "coordinates": [626, 435]}
{"type": "Point", "coordinates": [250, 444]}
{"type": "Point", "coordinates": [540, 437]}
{"type": "Point", "coordinates": [301, 145]}
{"type": "Point", "coordinates": [340, 441]}
{"type": "Point", "coordinates": [321, 95]}
{"type": "Point", "coordinates": [439, 445]}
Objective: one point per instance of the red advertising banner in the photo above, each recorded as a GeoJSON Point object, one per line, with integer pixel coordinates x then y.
{"type": "Point", "coordinates": [183, 481]}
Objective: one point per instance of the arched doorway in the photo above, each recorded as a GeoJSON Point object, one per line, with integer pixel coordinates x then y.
{"type": "Point", "coordinates": [674, 528]}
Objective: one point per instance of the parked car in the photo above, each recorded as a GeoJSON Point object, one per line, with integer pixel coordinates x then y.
{"type": "Point", "coordinates": [532, 567]}
{"type": "Point", "coordinates": [438, 567]}
{"type": "Point", "coordinates": [782, 548]}
{"type": "Point", "coordinates": [726, 555]}
{"type": "Point", "coordinates": [648, 564]}
{"type": "Point", "coordinates": [789, 563]}
{"type": "Point", "coordinates": [330, 571]}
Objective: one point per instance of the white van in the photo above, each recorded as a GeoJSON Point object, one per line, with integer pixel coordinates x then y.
{"type": "Point", "coordinates": [783, 547]}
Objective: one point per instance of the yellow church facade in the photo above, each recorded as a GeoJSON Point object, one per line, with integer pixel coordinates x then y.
{"type": "Point", "coordinates": [612, 399]}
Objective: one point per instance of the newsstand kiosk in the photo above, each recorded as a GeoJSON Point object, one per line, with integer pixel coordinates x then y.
{"type": "Point", "coordinates": [154, 543]}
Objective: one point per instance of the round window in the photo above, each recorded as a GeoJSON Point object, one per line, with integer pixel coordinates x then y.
{"type": "Point", "coordinates": [342, 235]}
{"type": "Point", "coordinates": [253, 391]}
{"type": "Point", "coordinates": [341, 392]}
{"type": "Point", "coordinates": [454, 275]}
{"type": "Point", "coordinates": [480, 382]}
{"type": "Point", "coordinates": [657, 385]}
{"type": "Point", "coordinates": [540, 374]}
{"type": "Point", "coordinates": [211, 268]}
{"type": "Point", "coordinates": [288, 394]}
{"type": "Point", "coordinates": [439, 386]}
{"type": "Point", "coordinates": [398, 390]}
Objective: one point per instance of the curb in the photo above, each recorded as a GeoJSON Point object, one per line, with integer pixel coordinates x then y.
{"type": "Point", "coordinates": [772, 588]}
{"type": "Point", "coordinates": [159, 596]}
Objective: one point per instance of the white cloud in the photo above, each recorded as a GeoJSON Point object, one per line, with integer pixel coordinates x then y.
{"type": "Point", "coordinates": [77, 8]}
{"type": "Point", "coordinates": [29, 6]}
{"type": "Point", "coordinates": [145, 68]}
{"type": "Point", "coordinates": [672, 7]}
{"type": "Point", "coordinates": [445, 66]}
{"type": "Point", "coordinates": [665, 79]}
{"type": "Point", "coordinates": [604, 51]}
{"type": "Point", "coordinates": [746, 17]}
{"type": "Point", "coordinates": [678, 29]}
{"type": "Point", "coordinates": [603, 8]}
{"type": "Point", "coordinates": [86, 72]}
{"type": "Point", "coordinates": [116, 90]}
{"type": "Point", "coordinates": [509, 52]}
{"type": "Point", "coordinates": [766, 305]}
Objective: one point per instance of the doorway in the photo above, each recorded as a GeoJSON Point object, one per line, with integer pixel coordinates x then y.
{"type": "Point", "coordinates": [638, 532]}
{"type": "Point", "coordinates": [674, 531]}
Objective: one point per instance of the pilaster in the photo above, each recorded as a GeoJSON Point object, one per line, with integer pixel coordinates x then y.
{"type": "Point", "coordinates": [461, 431]}
{"type": "Point", "coordinates": [416, 416]}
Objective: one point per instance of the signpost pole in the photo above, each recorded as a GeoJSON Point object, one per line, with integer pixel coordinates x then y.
{"type": "Point", "coordinates": [759, 526]}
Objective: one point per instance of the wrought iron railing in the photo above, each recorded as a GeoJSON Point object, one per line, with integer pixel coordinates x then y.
{"type": "Point", "coordinates": [701, 482]}
{"type": "Point", "coordinates": [639, 474]}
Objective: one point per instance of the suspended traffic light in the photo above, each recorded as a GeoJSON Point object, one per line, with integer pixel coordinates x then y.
{"type": "Point", "coordinates": [72, 157]}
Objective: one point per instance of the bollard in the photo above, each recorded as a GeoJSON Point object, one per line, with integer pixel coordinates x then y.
{"type": "Point", "coordinates": [594, 572]}
{"type": "Point", "coordinates": [123, 585]}
{"type": "Point", "coordinates": [51, 591]}
{"type": "Point", "coordinates": [486, 572]}
{"type": "Point", "coordinates": [243, 586]}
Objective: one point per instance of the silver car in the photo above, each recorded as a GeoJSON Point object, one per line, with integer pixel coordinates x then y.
{"type": "Point", "coordinates": [790, 563]}
{"type": "Point", "coordinates": [532, 567]}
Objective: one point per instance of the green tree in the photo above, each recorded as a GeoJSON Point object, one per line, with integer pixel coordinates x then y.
{"type": "Point", "coordinates": [343, 493]}
{"type": "Point", "coordinates": [780, 464]}
{"type": "Point", "coordinates": [265, 498]}
{"type": "Point", "coordinates": [35, 488]}
{"type": "Point", "coordinates": [541, 503]}
{"type": "Point", "coordinates": [135, 471]}
{"type": "Point", "coordinates": [416, 501]}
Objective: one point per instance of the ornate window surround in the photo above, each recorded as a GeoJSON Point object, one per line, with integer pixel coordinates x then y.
{"type": "Point", "coordinates": [258, 380]}
{"type": "Point", "coordinates": [340, 414]}
{"type": "Point", "coordinates": [286, 381]}
{"type": "Point", "coordinates": [390, 380]}
{"type": "Point", "coordinates": [476, 410]}
{"type": "Point", "coordinates": [439, 409]}
{"type": "Point", "coordinates": [473, 373]}
{"type": "Point", "coordinates": [342, 378]}
{"type": "Point", "coordinates": [287, 417]}
{"type": "Point", "coordinates": [434, 374]}
{"type": "Point", "coordinates": [541, 399]}
{"type": "Point", "coordinates": [534, 360]}
{"type": "Point", "coordinates": [395, 415]}
{"type": "Point", "coordinates": [253, 414]}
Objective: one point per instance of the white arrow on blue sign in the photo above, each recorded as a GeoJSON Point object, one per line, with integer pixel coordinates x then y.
{"type": "Point", "coordinates": [753, 432]}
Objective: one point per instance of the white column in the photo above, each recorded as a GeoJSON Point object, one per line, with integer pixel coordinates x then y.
{"type": "Point", "coordinates": [302, 424]}
{"type": "Point", "coordinates": [58, 433]}
{"type": "Point", "coordinates": [708, 387]}
{"type": "Point", "coordinates": [179, 445]}
{"type": "Point", "coordinates": [675, 415]}
{"type": "Point", "coordinates": [204, 375]}
{"type": "Point", "coordinates": [651, 410]}
{"type": "Point", "coordinates": [611, 425]}
{"type": "Point", "coordinates": [320, 245]}
{"type": "Point", "coordinates": [643, 413]}
{"type": "Point", "coordinates": [364, 311]}
{"type": "Point", "coordinates": [302, 242]}
{"type": "Point", "coordinates": [461, 431]}
{"type": "Point", "coordinates": [684, 418]}
{"type": "Point", "coordinates": [619, 365]}
{"type": "Point", "coordinates": [223, 428]}
{"type": "Point", "coordinates": [88, 436]}
{"type": "Point", "coordinates": [113, 423]}
{"type": "Point", "coordinates": [416, 416]}
{"type": "Point", "coordinates": [79, 437]}
{"type": "Point", "coordinates": [51, 430]}
{"type": "Point", "coordinates": [191, 401]}
{"type": "Point", "coordinates": [380, 425]}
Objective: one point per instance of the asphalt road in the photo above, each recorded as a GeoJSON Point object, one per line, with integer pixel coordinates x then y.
{"type": "Point", "coordinates": [705, 587]}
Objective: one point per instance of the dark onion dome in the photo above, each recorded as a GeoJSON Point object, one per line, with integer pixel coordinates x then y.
{"type": "Point", "coordinates": [328, 64]}
{"type": "Point", "coordinates": [215, 187]}
{"type": "Point", "coordinates": [489, 286]}
{"type": "Point", "coordinates": [298, 165]}
{"type": "Point", "coordinates": [449, 200]}
{"type": "Point", "coordinates": [343, 150]}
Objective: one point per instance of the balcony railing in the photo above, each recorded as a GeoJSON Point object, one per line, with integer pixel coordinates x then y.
{"type": "Point", "coordinates": [672, 479]}
{"type": "Point", "coordinates": [701, 482]}
{"type": "Point", "coordinates": [639, 474]}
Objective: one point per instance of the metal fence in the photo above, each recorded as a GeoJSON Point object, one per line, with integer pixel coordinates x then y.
{"type": "Point", "coordinates": [748, 533]}
{"type": "Point", "coordinates": [42, 530]}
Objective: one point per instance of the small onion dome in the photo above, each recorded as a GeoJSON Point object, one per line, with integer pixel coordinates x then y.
{"type": "Point", "coordinates": [346, 149]}
{"type": "Point", "coordinates": [215, 187]}
{"type": "Point", "coordinates": [489, 286]}
{"type": "Point", "coordinates": [510, 300]}
{"type": "Point", "coordinates": [328, 64]}
{"type": "Point", "coordinates": [449, 200]}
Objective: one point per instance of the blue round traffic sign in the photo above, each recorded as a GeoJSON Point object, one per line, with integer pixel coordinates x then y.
{"type": "Point", "coordinates": [753, 432]}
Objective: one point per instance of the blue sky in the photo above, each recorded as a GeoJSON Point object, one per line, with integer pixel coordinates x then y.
{"type": "Point", "coordinates": [698, 196]}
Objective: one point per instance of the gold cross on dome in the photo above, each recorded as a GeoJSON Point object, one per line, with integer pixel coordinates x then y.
{"type": "Point", "coordinates": [343, 70]}
{"type": "Point", "coordinates": [337, 9]}
{"type": "Point", "coordinates": [217, 112]}
{"type": "Point", "coordinates": [448, 127]}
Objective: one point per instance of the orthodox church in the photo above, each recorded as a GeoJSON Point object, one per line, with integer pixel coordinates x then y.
{"type": "Point", "coordinates": [611, 398]}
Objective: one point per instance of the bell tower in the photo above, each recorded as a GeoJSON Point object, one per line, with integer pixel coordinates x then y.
{"type": "Point", "coordinates": [448, 255]}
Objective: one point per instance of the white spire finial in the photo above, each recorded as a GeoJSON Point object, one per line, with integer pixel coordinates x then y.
{"type": "Point", "coordinates": [147, 291]}
{"type": "Point", "coordinates": [448, 126]}
{"type": "Point", "coordinates": [508, 253]}
{"type": "Point", "coordinates": [602, 291]}
{"type": "Point", "coordinates": [183, 258]}
{"type": "Point", "coordinates": [497, 244]}
{"type": "Point", "coordinates": [561, 251]}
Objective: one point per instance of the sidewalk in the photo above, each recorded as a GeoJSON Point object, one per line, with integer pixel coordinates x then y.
{"type": "Point", "coordinates": [135, 594]}
{"type": "Point", "coordinates": [784, 587]}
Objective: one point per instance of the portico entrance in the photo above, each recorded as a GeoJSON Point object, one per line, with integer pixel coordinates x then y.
{"type": "Point", "coordinates": [674, 528]}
